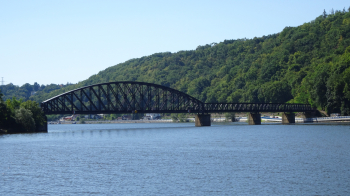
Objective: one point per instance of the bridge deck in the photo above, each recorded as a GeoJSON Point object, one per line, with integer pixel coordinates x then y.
{"type": "Point", "coordinates": [256, 107]}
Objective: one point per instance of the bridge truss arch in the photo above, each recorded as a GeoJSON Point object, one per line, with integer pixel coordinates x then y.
{"type": "Point", "coordinates": [122, 97]}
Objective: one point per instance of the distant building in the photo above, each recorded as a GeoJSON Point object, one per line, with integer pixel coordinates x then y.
{"type": "Point", "coordinates": [152, 116]}
{"type": "Point", "coordinates": [100, 116]}
{"type": "Point", "coordinates": [92, 116]}
{"type": "Point", "coordinates": [69, 118]}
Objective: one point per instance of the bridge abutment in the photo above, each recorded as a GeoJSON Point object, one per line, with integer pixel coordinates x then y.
{"type": "Point", "coordinates": [202, 120]}
{"type": "Point", "coordinates": [254, 119]}
{"type": "Point", "coordinates": [288, 117]}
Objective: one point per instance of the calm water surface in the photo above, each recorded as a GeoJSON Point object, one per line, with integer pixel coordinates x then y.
{"type": "Point", "coordinates": [178, 159]}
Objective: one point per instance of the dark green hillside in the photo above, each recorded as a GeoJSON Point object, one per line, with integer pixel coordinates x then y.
{"type": "Point", "coordinates": [25, 91]}
{"type": "Point", "coordinates": [305, 64]}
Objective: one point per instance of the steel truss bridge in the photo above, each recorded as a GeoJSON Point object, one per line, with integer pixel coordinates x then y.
{"type": "Point", "coordinates": [141, 97]}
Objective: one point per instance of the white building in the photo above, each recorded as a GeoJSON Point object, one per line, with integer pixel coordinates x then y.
{"type": "Point", "coordinates": [152, 116]}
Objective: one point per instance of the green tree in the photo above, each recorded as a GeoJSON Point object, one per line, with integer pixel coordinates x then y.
{"type": "Point", "coordinates": [3, 112]}
{"type": "Point", "coordinates": [178, 117]}
{"type": "Point", "coordinates": [81, 121]}
{"type": "Point", "coordinates": [174, 117]}
{"type": "Point", "coordinates": [18, 116]}
{"type": "Point", "coordinates": [324, 13]}
{"type": "Point", "coordinates": [37, 113]}
{"type": "Point", "coordinates": [13, 104]}
{"type": "Point", "coordinates": [3, 115]}
{"type": "Point", "coordinates": [36, 86]}
{"type": "Point", "coordinates": [24, 119]}
{"type": "Point", "coordinates": [1, 95]}
{"type": "Point", "coordinates": [231, 117]}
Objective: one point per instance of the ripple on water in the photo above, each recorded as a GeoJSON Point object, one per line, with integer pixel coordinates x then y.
{"type": "Point", "coordinates": [177, 159]}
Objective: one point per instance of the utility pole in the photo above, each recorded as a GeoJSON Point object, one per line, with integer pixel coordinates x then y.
{"type": "Point", "coordinates": [2, 81]}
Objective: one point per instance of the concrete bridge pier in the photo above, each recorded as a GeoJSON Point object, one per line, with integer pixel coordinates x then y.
{"type": "Point", "coordinates": [288, 117]}
{"type": "Point", "coordinates": [202, 120]}
{"type": "Point", "coordinates": [254, 119]}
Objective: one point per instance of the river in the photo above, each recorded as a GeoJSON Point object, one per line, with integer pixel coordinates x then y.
{"type": "Point", "coordinates": [178, 159]}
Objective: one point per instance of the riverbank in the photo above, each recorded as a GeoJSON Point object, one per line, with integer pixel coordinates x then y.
{"type": "Point", "coordinates": [112, 121]}
{"type": "Point", "coordinates": [222, 119]}
{"type": "Point", "coordinates": [42, 129]}
{"type": "Point", "coordinates": [301, 120]}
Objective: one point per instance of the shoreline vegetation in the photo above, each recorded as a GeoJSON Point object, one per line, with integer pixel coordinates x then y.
{"type": "Point", "coordinates": [17, 116]}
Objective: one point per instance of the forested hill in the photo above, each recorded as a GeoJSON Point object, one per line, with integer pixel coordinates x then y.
{"type": "Point", "coordinates": [305, 64]}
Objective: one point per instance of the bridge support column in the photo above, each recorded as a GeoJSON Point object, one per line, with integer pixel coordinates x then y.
{"type": "Point", "coordinates": [288, 118]}
{"type": "Point", "coordinates": [202, 120]}
{"type": "Point", "coordinates": [254, 119]}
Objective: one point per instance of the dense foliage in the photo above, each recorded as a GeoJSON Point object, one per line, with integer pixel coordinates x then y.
{"type": "Point", "coordinates": [27, 90]}
{"type": "Point", "coordinates": [305, 64]}
{"type": "Point", "coordinates": [18, 116]}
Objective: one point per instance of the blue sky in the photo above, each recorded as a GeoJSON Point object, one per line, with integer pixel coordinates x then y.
{"type": "Point", "coordinates": [70, 40]}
